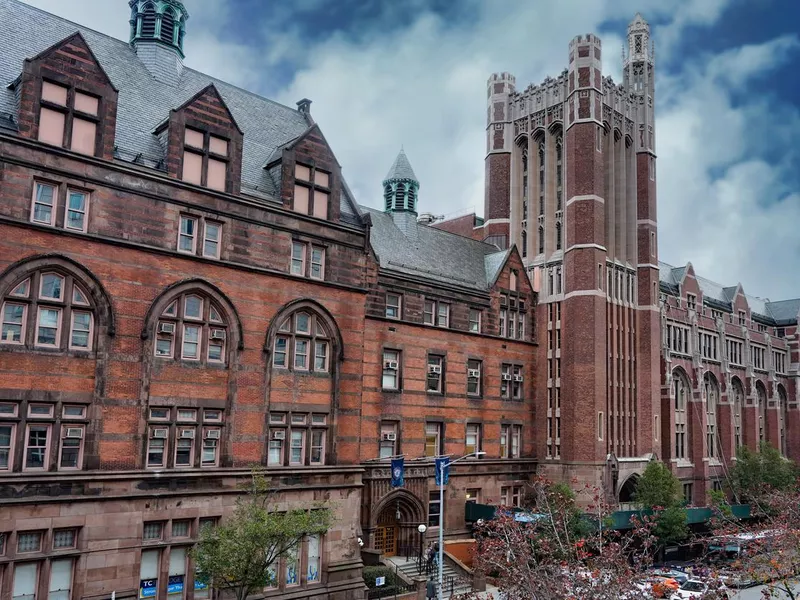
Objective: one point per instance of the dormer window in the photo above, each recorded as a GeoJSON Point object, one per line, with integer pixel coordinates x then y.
{"type": "Point", "coordinates": [205, 159]}
{"type": "Point", "coordinates": [312, 191]}
{"type": "Point", "coordinates": [68, 118]}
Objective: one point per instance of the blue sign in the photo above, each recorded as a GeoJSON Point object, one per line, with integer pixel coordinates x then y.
{"type": "Point", "coordinates": [175, 584]}
{"type": "Point", "coordinates": [148, 588]}
{"type": "Point", "coordinates": [443, 463]}
{"type": "Point", "coordinates": [398, 471]}
{"type": "Point", "coordinates": [199, 585]}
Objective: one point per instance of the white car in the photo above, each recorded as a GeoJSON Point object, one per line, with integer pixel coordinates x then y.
{"type": "Point", "coordinates": [694, 588]}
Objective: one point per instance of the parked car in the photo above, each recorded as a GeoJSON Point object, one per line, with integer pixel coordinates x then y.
{"type": "Point", "coordinates": [695, 588]}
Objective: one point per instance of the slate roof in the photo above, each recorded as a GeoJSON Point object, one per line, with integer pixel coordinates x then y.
{"type": "Point", "coordinates": [779, 312]}
{"type": "Point", "coordinates": [401, 168]}
{"type": "Point", "coordinates": [434, 254]}
{"type": "Point", "coordinates": [144, 102]}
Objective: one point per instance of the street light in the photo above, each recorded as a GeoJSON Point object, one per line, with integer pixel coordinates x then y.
{"type": "Point", "coordinates": [442, 466]}
{"type": "Point", "coordinates": [422, 528]}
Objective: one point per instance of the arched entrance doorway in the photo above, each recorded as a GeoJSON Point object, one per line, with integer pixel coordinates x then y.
{"type": "Point", "coordinates": [627, 493]}
{"type": "Point", "coordinates": [397, 517]}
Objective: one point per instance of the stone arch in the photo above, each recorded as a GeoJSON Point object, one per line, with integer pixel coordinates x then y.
{"type": "Point", "coordinates": [410, 507]}
{"type": "Point", "coordinates": [22, 269]}
{"type": "Point", "coordinates": [761, 410]}
{"type": "Point", "coordinates": [521, 140]}
{"type": "Point", "coordinates": [384, 523]}
{"type": "Point", "coordinates": [680, 399]}
{"type": "Point", "coordinates": [161, 302]}
{"type": "Point", "coordinates": [555, 128]}
{"type": "Point", "coordinates": [627, 489]}
{"type": "Point", "coordinates": [311, 306]}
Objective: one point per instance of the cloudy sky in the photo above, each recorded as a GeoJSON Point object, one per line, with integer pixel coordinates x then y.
{"type": "Point", "coordinates": [413, 72]}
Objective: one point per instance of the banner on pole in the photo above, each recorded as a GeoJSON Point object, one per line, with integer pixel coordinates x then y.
{"type": "Point", "coordinates": [443, 461]}
{"type": "Point", "coordinates": [398, 472]}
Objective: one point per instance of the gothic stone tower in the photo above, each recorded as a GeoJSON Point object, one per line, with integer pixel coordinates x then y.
{"type": "Point", "coordinates": [570, 174]}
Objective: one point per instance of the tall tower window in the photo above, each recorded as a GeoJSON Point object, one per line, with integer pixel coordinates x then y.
{"type": "Point", "coordinates": [525, 173]}
{"type": "Point", "coordinates": [559, 170]}
{"type": "Point", "coordinates": [558, 236]}
{"type": "Point", "coordinates": [524, 244]}
{"type": "Point", "coordinates": [168, 26]}
{"type": "Point", "coordinates": [541, 240]}
{"type": "Point", "coordinates": [149, 22]}
{"type": "Point", "coordinates": [637, 44]}
{"type": "Point", "coordinates": [541, 177]}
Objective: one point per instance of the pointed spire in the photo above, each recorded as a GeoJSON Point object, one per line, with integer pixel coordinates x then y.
{"type": "Point", "coordinates": [401, 169]}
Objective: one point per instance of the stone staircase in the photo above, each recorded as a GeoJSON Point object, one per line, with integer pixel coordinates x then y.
{"type": "Point", "coordinates": [454, 581]}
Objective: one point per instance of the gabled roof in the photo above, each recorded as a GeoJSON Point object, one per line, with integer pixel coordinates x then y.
{"type": "Point", "coordinates": [145, 102]}
{"type": "Point", "coordinates": [401, 168]}
{"type": "Point", "coordinates": [434, 254]}
{"type": "Point", "coordinates": [720, 296]}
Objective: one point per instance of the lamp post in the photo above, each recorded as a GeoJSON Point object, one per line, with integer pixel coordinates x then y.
{"type": "Point", "coordinates": [442, 466]}
{"type": "Point", "coordinates": [422, 528]}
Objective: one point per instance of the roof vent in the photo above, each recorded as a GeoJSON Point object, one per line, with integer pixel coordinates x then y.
{"type": "Point", "coordinates": [304, 106]}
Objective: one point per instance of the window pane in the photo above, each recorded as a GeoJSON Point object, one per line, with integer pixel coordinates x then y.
{"type": "Point", "coordinates": [70, 453]}
{"type": "Point", "coordinates": [322, 179]}
{"type": "Point", "coordinates": [43, 204]}
{"type": "Point", "coordinates": [183, 452]}
{"type": "Point", "coordinates": [301, 354]}
{"type": "Point", "coordinates": [211, 245]}
{"type": "Point", "coordinates": [303, 323]}
{"type": "Point", "coordinates": [81, 324]}
{"type": "Point", "coordinates": [155, 452]}
{"type": "Point", "coordinates": [47, 332]}
{"type": "Point", "coordinates": [52, 92]}
{"type": "Point", "coordinates": [192, 167]}
{"type": "Point", "coordinates": [86, 104]}
{"type": "Point", "coordinates": [193, 138]}
{"type": "Point", "coordinates": [52, 286]}
{"type": "Point", "coordinates": [76, 211]}
{"type": "Point", "coordinates": [25, 581]}
{"type": "Point", "coordinates": [191, 341]}
{"type": "Point", "coordinates": [209, 452]}
{"type": "Point", "coordinates": [297, 447]}
{"type": "Point", "coordinates": [321, 357]}
{"type": "Point", "coordinates": [51, 127]}
{"type": "Point", "coordinates": [275, 452]}
{"type": "Point", "coordinates": [83, 136]}
{"type": "Point", "coordinates": [218, 146]}
{"type": "Point", "coordinates": [36, 455]}
{"type": "Point", "coordinates": [321, 200]}
{"type": "Point", "coordinates": [193, 308]}
{"type": "Point", "coordinates": [317, 262]}
{"type": "Point", "coordinates": [302, 172]}
{"type": "Point", "coordinates": [217, 170]}
{"type": "Point", "coordinates": [6, 435]}
{"type": "Point", "coordinates": [279, 356]}
{"type": "Point", "coordinates": [78, 297]}
{"type": "Point", "coordinates": [64, 538]}
{"type": "Point", "coordinates": [301, 197]}
{"type": "Point", "coordinates": [13, 317]}
{"type": "Point", "coordinates": [313, 571]}
{"type": "Point", "coordinates": [298, 258]}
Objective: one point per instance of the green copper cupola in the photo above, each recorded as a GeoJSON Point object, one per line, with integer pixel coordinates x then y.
{"type": "Point", "coordinates": [401, 187]}
{"type": "Point", "coordinates": [158, 28]}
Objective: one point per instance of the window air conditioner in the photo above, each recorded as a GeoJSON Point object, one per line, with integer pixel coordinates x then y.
{"type": "Point", "coordinates": [434, 369]}
{"type": "Point", "coordinates": [506, 377]}
{"type": "Point", "coordinates": [159, 434]}
{"type": "Point", "coordinates": [212, 434]}
{"type": "Point", "coordinates": [390, 365]}
{"type": "Point", "coordinates": [187, 434]}
{"type": "Point", "coordinates": [279, 434]}
{"type": "Point", "coordinates": [74, 432]}
{"type": "Point", "coordinates": [166, 328]}
{"type": "Point", "coordinates": [217, 334]}
{"type": "Point", "coordinates": [473, 373]}
{"type": "Point", "coordinates": [517, 377]}
{"type": "Point", "coordinates": [389, 437]}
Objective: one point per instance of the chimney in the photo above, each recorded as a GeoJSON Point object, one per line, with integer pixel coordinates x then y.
{"type": "Point", "coordinates": [304, 106]}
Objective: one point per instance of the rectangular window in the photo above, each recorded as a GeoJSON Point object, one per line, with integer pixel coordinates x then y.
{"type": "Point", "coordinates": [391, 370]}
{"type": "Point", "coordinates": [212, 234]}
{"type": "Point", "coordinates": [77, 204]}
{"type": "Point", "coordinates": [443, 315]}
{"type": "Point", "coordinates": [48, 327]}
{"type": "Point", "coordinates": [472, 443]}
{"type": "Point", "coordinates": [742, 317]}
{"type": "Point", "coordinates": [26, 580]}
{"type": "Point", "coordinates": [70, 454]}
{"type": "Point", "coordinates": [191, 342]}
{"type": "Point", "coordinates": [317, 263]}
{"type": "Point", "coordinates": [156, 445]}
{"type": "Point", "coordinates": [434, 509]}
{"type": "Point", "coordinates": [187, 235]}
{"type": "Point", "coordinates": [44, 204]}
{"type": "Point", "coordinates": [516, 382]}
{"type": "Point", "coordinates": [435, 375]}
{"type": "Point", "coordinates": [317, 447]}
{"type": "Point", "coordinates": [84, 134]}
{"type": "Point", "coordinates": [388, 440]}
{"type": "Point", "coordinates": [321, 356]}
{"type": "Point", "coordinates": [688, 492]}
{"type": "Point", "coordinates": [37, 447]}
{"type": "Point", "coordinates": [184, 447]}
{"type": "Point", "coordinates": [275, 456]}
{"type": "Point", "coordinates": [279, 355]}
{"type": "Point", "coordinates": [311, 191]}
{"type": "Point", "coordinates": [314, 562]}
{"type": "Point", "coordinates": [181, 529]}
{"type": "Point", "coordinates": [428, 312]}
{"type": "Point", "coordinates": [13, 326]}
{"type": "Point", "coordinates": [292, 561]}
{"type": "Point", "coordinates": [7, 431]}
{"type": "Point", "coordinates": [474, 368]}
{"type": "Point", "coordinates": [60, 579]}
{"type": "Point", "coordinates": [29, 541]}
{"type": "Point", "coordinates": [210, 455]}
{"type": "Point", "coordinates": [433, 439]}
{"type": "Point", "coordinates": [297, 449]}
{"type": "Point", "coordinates": [80, 334]}
{"type": "Point", "coordinates": [393, 306]}
{"type": "Point", "coordinates": [505, 433]}
{"type": "Point", "coordinates": [51, 126]}
{"type": "Point", "coordinates": [473, 496]}
{"type": "Point", "coordinates": [64, 538]}
{"type": "Point", "coordinates": [505, 381]}
{"type": "Point", "coordinates": [474, 320]}
{"type": "Point", "coordinates": [301, 355]}
{"type": "Point", "coordinates": [152, 531]}
{"type": "Point", "coordinates": [177, 572]}
{"type": "Point", "coordinates": [600, 426]}
{"type": "Point", "coordinates": [516, 441]}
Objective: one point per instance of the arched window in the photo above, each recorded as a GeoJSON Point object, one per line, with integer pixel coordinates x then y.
{"type": "Point", "coordinates": [524, 243]}
{"type": "Point", "coordinates": [148, 29]}
{"type": "Point", "coordinates": [558, 236]}
{"type": "Point", "coordinates": [738, 403]}
{"type": "Point", "coordinates": [761, 399]}
{"type": "Point", "coordinates": [525, 173]}
{"type": "Point", "coordinates": [712, 400]}
{"type": "Point", "coordinates": [541, 239]}
{"type": "Point", "coordinates": [302, 344]}
{"type": "Point", "coordinates": [783, 405]}
{"type": "Point", "coordinates": [559, 171]}
{"type": "Point", "coordinates": [541, 178]}
{"type": "Point", "coordinates": [680, 392]}
{"type": "Point", "coordinates": [400, 196]}
{"type": "Point", "coordinates": [49, 309]}
{"type": "Point", "coordinates": [192, 328]}
{"type": "Point", "coordinates": [168, 26]}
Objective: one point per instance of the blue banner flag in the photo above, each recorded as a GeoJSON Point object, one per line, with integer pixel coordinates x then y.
{"type": "Point", "coordinates": [443, 461]}
{"type": "Point", "coordinates": [398, 472]}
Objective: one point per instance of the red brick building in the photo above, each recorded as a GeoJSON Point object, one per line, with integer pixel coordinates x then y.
{"type": "Point", "coordinates": [188, 288]}
{"type": "Point", "coordinates": [571, 182]}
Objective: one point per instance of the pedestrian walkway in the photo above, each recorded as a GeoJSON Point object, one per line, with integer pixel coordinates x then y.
{"type": "Point", "coordinates": [452, 580]}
